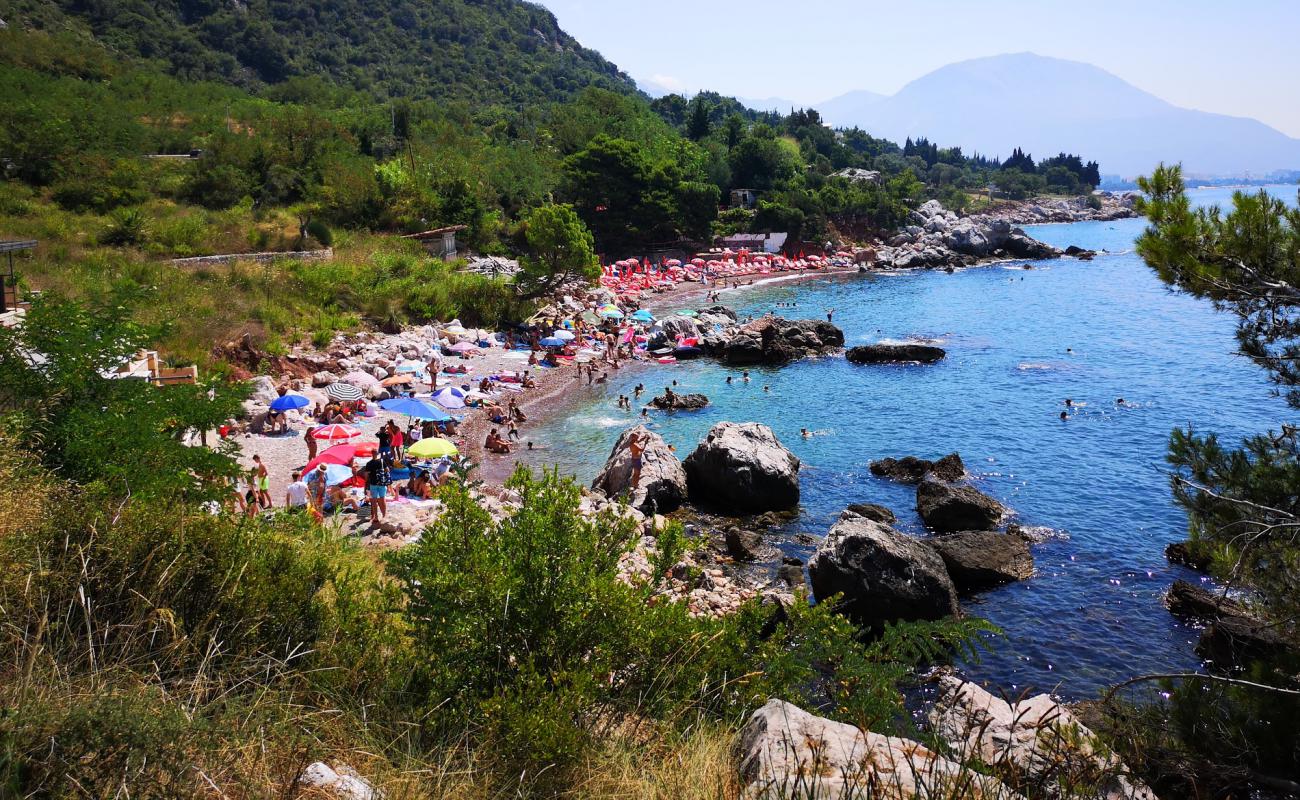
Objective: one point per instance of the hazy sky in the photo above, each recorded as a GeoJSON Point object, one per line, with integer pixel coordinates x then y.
{"type": "Point", "coordinates": [1238, 57]}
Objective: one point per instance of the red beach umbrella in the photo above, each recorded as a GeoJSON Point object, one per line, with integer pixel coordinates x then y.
{"type": "Point", "coordinates": [336, 433]}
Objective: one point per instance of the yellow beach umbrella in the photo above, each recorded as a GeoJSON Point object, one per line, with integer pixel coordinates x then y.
{"type": "Point", "coordinates": [432, 447]}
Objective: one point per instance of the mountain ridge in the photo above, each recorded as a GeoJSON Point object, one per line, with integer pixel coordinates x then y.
{"type": "Point", "coordinates": [1045, 105]}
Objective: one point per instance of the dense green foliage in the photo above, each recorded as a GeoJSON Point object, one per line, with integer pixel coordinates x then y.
{"type": "Point", "coordinates": [153, 644]}
{"type": "Point", "coordinates": [449, 49]}
{"type": "Point", "coordinates": [1242, 503]}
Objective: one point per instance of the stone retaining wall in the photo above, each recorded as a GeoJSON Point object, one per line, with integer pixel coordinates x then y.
{"type": "Point", "coordinates": [229, 258]}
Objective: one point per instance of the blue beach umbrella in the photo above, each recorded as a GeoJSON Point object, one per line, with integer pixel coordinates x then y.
{"type": "Point", "coordinates": [336, 474]}
{"type": "Point", "coordinates": [643, 316]}
{"type": "Point", "coordinates": [450, 397]}
{"type": "Point", "coordinates": [288, 402]}
{"type": "Point", "coordinates": [551, 341]}
{"type": "Point", "coordinates": [414, 408]}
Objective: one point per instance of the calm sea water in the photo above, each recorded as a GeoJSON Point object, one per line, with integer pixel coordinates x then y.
{"type": "Point", "coordinates": [1019, 343]}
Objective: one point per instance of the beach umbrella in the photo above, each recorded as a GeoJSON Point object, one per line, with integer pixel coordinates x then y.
{"type": "Point", "coordinates": [336, 433]}
{"type": "Point", "coordinates": [397, 380]}
{"type": "Point", "coordinates": [414, 408]}
{"type": "Point", "coordinates": [590, 318]}
{"type": "Point", "coordinates": [358, 378]}
{"type": "Point", "coordinates": [432, 447]}
{"type": "Point", "coordinates": [410, 366]}
{"type": "Point", "coordinates": [563, 334]}
{"type": "Point", "coordinates": [552, 341]}
{"type": "Point", "coordinates": [610, 313]}
{"type": "Point", "coordinates": [344, 391]}
{"type": "Point", "coordinates": [686, 312]}
{"type": "Point", "coordinates": [336, 474]}
{"type": "Point", "coordinates": [463, 347]}
{"type": "Point", "coordinates": [338, 454]}
{"type": "Point", "coordinates": [454, 330]}
{"type": "Point", "coordinates": [288, 402]}
{"type": "Point", "coordinates": [450, 397]}
{"type": "Point", "coordinates": [366, 449]}
{"type": "Point", "coordinates": [643, 316]}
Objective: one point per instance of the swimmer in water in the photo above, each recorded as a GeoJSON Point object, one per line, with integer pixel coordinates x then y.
{"type": "Point", "coordinates": [728, 380]}
{"type": "Point", "coordinates": [1068, 402]}
{"type": "Point", "coordinates": [745, 376]}
{"type": "Point", "coordinates": [805, 433]}
{"type": "Point", "coordinates": [1064, 416]}
{"type": "Point", "coordinates": [767, 388]}
{"type": "Point", "coordinates": [1119, 401]}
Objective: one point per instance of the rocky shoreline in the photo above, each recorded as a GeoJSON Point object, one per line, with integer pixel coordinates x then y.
{"type": "Point", "coordinates": [939, 238]}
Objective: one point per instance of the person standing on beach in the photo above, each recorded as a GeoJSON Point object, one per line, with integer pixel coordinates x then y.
{"type": "Point", "coordinates": [295, 495]}
{"type": "Point", "coordinates": [262, 483]}
{"type": "Point", "coordinates": [377, 480]}
{"type": "Point", "coordinates": [311, 442]}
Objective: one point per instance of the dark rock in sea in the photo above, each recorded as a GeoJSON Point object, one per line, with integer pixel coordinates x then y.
{"type": "Point", "coordinates": [883, 575]}
{"type": "Point", "coordinates": [948, 509]}
{"type": "Point", "coordinates": [873, 512]}
{"type": "Point", "coordinates": [662, 484]}
{"type": "Point", "coordinates": [1080, 253]}
{"type": "Point", "coordinates": [773, 340]}
{"type": "Point", "coordinates": [1190, 554]}
{"type": "Point", "coordinates": [791, 572]}
{"type": "Point", "coordinates": [680, 402]}
{"type": "Point", "coordinates": [1232, 643]}
{"type": "Point", "coordinates": [1022, 246]}
{"type": "Point", "coordinates": [979, 560]}
{"type": "Point", "coordinates": [742, 468]}
{"type": "Point", "coordinates": [910, 469]}
{"type": "Point", "coordinates": [744, 545]}
{"type": "Point", "coordinates": [894, 353]}
{"type": "Point", "coordinates": [1189, 600]}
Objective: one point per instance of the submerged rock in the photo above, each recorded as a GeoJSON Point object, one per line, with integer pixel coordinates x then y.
{"type": "Point", "coordinates": [744, 545]}
{"type": "Point", "coordinates": [742, 468]}
{"type": "Point", "coordinates": [662, 484]}
{"type": "Point", "coordinates": [883, 575]}
{"type": "Point", "coordinates": [979, 560]}
{"type": "Point", "coordinates": [786, 752]}
{"type": "Point", "coordinates": [910, 469]}
{"type": "Point", "coordinates": [895, 353]}
{"type": "Point", "coordinates": [948, 509]}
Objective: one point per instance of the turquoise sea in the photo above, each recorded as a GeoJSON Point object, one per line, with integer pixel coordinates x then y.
{"type": "Point", "coordinates": [1019, 343]}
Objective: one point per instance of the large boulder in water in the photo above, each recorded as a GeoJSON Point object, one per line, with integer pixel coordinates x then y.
{"type": "Point", "coordinates": [674, 327]}
{"type": "Point", "coordinates": [662, 484]}
{"type": "Point", "coordinates": [945, 508]}
{"type": "Point", "coordinates": [1022, 246]}
{"type": "Point", "coordinates": [743, 468]}
{"type": "Point", "coordinates": [774, 340]}
{"type": "Point", "coordinates": [882, 574]}
{"type": "Point", "coordinates": [786, 752]}
{"type": "Point", "coordinates": [895, 354]}
{"type": "Point", "coordinates": [910, 469]}
{"type": "Point", "coordinates": [979, 560]}
{"type": "Point", "coordinates": [680, 402]}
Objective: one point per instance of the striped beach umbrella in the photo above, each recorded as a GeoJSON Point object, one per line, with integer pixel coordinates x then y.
{"type": "Point", "coordinates": [344, 391]}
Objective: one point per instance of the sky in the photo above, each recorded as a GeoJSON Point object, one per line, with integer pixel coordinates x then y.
{"type": "Point", "coordinates": [1239, 57]}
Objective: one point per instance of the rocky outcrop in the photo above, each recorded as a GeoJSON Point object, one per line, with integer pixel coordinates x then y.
{"type": "Point", "coordinates": [680, 402]}
{"type": "Point", "coordinates": [895, 354]}
{"type": "Point", "coordinates": [1036, 741]}
{"type": "Point", "coordinates": [774, 340]}
{"type": "Point", "coordinates": [979, 560]}
{"type": "Point", "coordinates": [945, 508]}
{"type": "Point", "coordinates": [662, 485]}
{"type": "Point", "coordinates": [939, 238]}
{"type": "Point", "coordinates": [1189, 600]}
{"type": "Point", "coordinates": [882, 575]}
{"type": "Point", "coordinates": [910, 469]}
{"type": "Point", "coordinates": [786, 752]}
{"type": "Point", "coordinates": [1190, 554]}
{"type": "Point", "coordinates": [872, 511]}
{"type": "Point", "coordinates": [742, 468]}
{"type": "Point", "coordinates": [744, 545]}
{"type": "Point", "coordinates": [1234, 636]}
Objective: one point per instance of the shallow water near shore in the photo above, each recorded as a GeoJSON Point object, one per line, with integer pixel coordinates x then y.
{"type": "Point", "coordinates": [1019, 343]}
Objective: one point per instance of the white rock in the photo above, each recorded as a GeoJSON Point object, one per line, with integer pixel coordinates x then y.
{"type": "Point", "coordinates": [344, 783]}
{"type": "Point", "coordinates": [786, 752]}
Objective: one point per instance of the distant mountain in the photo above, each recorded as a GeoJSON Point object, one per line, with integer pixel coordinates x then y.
{"type": "Point", "coordinates": [502, 51]}
{"type": "Point", "coordinates": [770, 104]}
{"type": "Point", "coordinates": [1048, 105]}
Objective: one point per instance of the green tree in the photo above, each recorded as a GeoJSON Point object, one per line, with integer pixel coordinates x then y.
{"type": "Point", "coordinates": [624, 197]}
{"type": "Point", "coordinates": [559, 248]}
{"type": "Point", "coordinates": [1243, 504]}
{"type": "Point", "coordinates": [699, 126]}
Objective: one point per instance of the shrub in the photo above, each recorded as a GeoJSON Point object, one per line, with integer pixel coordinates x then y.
{"type": "Point", "coordinates": [127, 226]}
